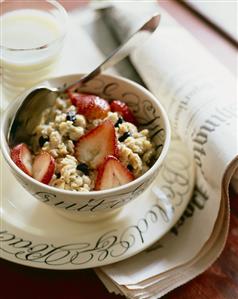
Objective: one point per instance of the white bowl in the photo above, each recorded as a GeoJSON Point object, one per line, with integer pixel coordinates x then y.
{"type": "Point", "coordinates": [98, 204]}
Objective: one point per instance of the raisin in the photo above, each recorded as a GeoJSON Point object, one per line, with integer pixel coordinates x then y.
{"type": "Point", "coordinates": [84, 168]}
{"type": "Point", "coordinates": [71, 116]}
{"type": "Point", "coordinates": [42, 140]}
{"type": "Point", "coordinates": [130, 167]}
{"type": "Point", "coordinates": [58, 175]}
{"type": "Point", "coordinates": [124, 136]}
{"type": "Point", "coordinates": [119, 121]}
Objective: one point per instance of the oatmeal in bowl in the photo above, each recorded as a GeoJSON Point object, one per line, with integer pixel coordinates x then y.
{"type": "Point", "coordinates": [94, 149]}
{"type": "Point", "coordinates": [94, 144]}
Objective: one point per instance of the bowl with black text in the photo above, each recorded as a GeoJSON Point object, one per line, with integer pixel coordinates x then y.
{"type": "Point", "coordinates": [94, 150]}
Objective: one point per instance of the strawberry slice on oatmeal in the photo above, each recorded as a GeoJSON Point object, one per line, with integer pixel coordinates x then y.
{"type": "Point", "coordinates": [112, 174]}
{"type": "Point", "coordinates": [93, 147]}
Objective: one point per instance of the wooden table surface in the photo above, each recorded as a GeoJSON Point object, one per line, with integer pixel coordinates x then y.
{"type": "Point", "coordinates": [219, 282]}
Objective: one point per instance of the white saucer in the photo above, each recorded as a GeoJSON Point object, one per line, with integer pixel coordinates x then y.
{"type": "Point", "coordinates": [34, 235]}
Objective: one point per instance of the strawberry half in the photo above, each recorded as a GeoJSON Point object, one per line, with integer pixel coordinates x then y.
{"type": "Point", "coordinates": [112, 174]}
{"type": "Point", "coordinates": [98, 143]}
{"type": "Point", "coordinates": [43, 167]}
{"type": "Point", "coordinates": [21, 156]}
{"type": "Point", "coordinates": [91, 106]}
{"type": "Point", "coordinates": [124, 111]}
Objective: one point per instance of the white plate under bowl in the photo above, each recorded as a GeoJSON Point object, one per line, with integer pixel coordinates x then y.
{"type": "Point", "coordinates": [33, 234]}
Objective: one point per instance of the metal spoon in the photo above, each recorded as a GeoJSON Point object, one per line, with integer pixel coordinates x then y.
{"type": "Point", "coordinates": [28, 114]}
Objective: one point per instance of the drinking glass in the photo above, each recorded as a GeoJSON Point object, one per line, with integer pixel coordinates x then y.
{"type": "Point", "coordinates": [31, 40]}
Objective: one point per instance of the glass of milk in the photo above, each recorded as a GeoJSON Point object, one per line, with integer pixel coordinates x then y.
{"type": "Point", "coordinates": [31, 39]}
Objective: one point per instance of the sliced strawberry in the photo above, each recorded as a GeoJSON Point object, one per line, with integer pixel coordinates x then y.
{"type": "Point", "coordinates": [91, 106]}
{"type": "Point", "coordinates": [43, 167]}
{"type": "Point", "coordinates": [112, 174]}
{"type": "Point", "coordinates": [98, 143]}
{"type": "Point", "coordinates": [21, 156]}
{"type": "Point", "coordinates": [123, 110]}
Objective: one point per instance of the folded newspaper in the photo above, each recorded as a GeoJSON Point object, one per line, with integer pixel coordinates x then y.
{"type": "Point", "coordinates": [200, 97]}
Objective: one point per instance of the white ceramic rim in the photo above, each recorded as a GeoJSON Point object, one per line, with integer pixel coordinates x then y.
{"type": "Point", "coordinates": [157, 164]}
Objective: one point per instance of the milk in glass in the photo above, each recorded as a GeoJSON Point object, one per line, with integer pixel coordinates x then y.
{"type": "Point", "coordinates": [31, 41]}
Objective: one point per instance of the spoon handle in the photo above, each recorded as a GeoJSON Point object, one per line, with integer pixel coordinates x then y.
{"type": "Point", "coordinates": [135, 40]}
